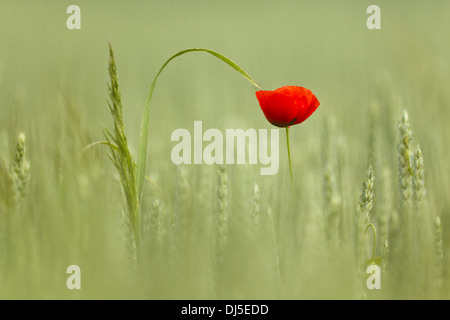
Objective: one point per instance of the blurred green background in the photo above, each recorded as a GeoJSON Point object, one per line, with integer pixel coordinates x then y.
{"type": "Point", "coordinates": [53, 87]}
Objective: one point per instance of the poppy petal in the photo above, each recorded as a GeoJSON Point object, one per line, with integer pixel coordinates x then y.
{"type": "Point", "coordinates": [287, 105]}
{"type": "Point", "coordinates": [305, 101]}
{"type": "Point", "coordinates": [312, 104]}
{"type": "Point", "coordinates": [278, 108]}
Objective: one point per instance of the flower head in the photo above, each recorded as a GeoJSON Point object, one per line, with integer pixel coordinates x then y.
{"type": "Point", "coordinates": [287, 105]}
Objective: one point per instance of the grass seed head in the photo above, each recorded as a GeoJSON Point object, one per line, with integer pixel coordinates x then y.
{"type": "Point", "coordinates": [404, 157]}
{"type": "Point", "coordinates": [21, 168]}
{"type": "Point", "coordinates": [365, 204]}
{"type": "Point", "coordinates": [418, 179]}
{"type": "Point", "coordinates": [119, 151]}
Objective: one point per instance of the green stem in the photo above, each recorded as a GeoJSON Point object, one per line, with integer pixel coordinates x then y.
{"type": "Point", "coordinates": [370, 225]}
{"type": "Point", "coordinates": [142, 158]}
{"type": "Point", "coordinates": [289, 156]}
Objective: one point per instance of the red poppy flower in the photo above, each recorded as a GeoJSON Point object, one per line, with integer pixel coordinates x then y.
{"type": "Point", "coordinates": [287, 105]}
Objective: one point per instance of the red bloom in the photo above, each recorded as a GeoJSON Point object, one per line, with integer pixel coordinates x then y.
{"type": "Point", "coordinates": [287, 105]}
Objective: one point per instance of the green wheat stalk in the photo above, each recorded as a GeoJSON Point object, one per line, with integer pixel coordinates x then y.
{"type": "Point", "coordinates": [120, 154]}
{"type": "Point", "coordinates": [364, 206]}
{"type": "Point", "coordinates": [418, 196]}
{"type": "Point", "coordinates": [405, 248]}
{"type": "Point", "coordinates": [438, 250]}
{"type": "Point", "coordinates": [404, 156]}
{"type": "Point", "coordinates": [365, 203]}
{"type": "Point", "coordinates": [21, 168]}
{"type": "Point", "coordinates": [418, 179]}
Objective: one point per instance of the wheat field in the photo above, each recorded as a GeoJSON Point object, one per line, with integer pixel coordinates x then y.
{"type": "Point", "coordinates": [373, 153]}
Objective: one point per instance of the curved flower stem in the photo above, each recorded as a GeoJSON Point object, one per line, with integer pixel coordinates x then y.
{"type": "Point", "coordinates": [289, 156]}
{"type": "Point", "coordinates": [142, 158]}
{"type": "Point", "coordinates": [370, 225]}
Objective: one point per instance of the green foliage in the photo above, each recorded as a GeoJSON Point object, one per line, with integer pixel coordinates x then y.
{"type": "Point", "coordinates": [79, 206]}
{"type": "Point", "coordinates": [120, 154]}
